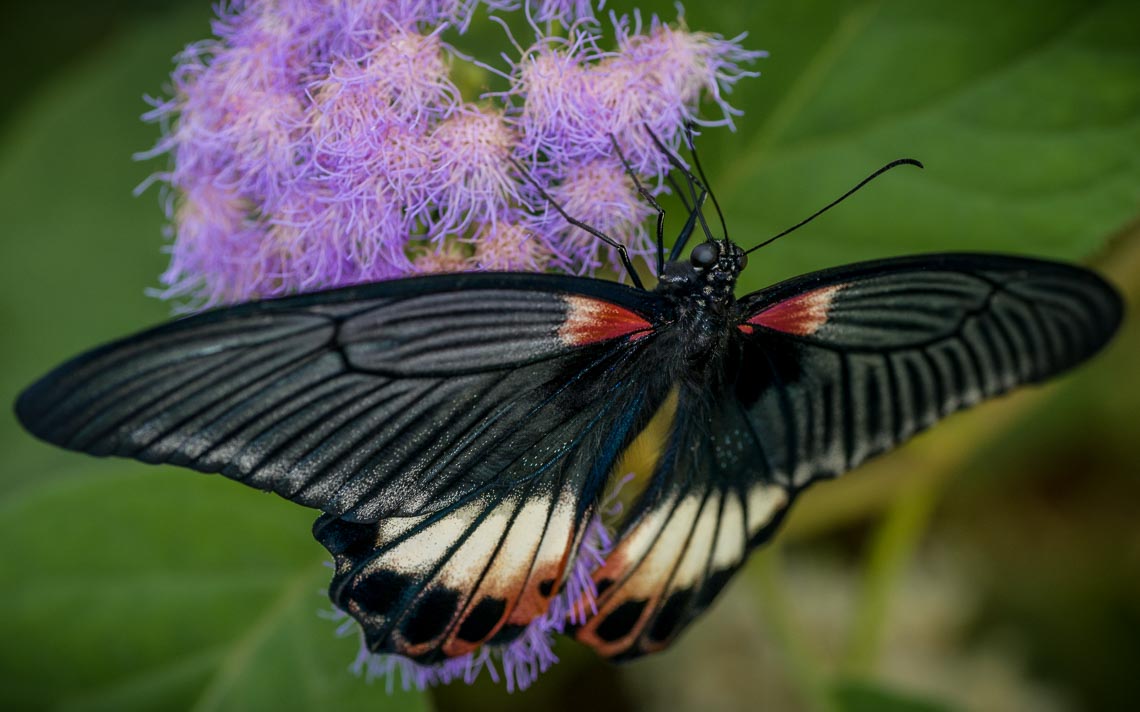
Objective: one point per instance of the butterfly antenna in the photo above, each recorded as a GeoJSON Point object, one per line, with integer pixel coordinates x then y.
{"type": "Point", "coordinates": [701, 173]}
{"type": "Point", "coordinates": [893, 164]}
{"type": "Point", "coordinates": [623, 254]}
{"type": "Point", "coordinates": [687, 231]}
{"type": "Point", "coordinates": [693, 181]}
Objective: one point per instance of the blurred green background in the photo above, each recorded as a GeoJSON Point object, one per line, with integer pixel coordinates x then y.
{"type": "Point", "coordinates": [992, 564]}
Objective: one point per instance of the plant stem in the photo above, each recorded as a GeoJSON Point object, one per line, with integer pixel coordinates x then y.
{"type": "Point", "coordinates": [892, 548]}
{"type": "Point", "coordinates": [779, 618]}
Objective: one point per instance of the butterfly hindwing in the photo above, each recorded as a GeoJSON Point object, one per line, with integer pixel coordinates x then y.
{"type": "Point", "coordinates": [393, 399]}
{"type": "Point", "coordinates": [440, 585]}
{"type": "Point", "coordinates": [710, 500]}
{"type": "Point", "coordinates": [821, 373]}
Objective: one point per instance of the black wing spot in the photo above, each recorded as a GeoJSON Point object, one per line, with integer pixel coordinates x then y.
{"type": "Point", "coordinates": [603, 585]}
{"type": "Point", "coordinates": [713, 585]}
{"type": "Point", "coordinates": [507, 633]}
{"type": "Point", "coordinates": [482, 619]}
{"type": "Point", "coordinates": [669, 618]}
{"type": "Point", "coordinates": [619, 623]}
{"type": "Point", "coordinates": [546, 588]}
{"type": "Point", "coordinates": [377, 593]}
{"type": "Point", "coordinates": [431, 616]}
{"type": "Point", "coordinates": [347, 539]}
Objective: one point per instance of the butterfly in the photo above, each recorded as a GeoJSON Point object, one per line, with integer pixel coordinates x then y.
{"type": "Point", "coordinates": [457, 431]}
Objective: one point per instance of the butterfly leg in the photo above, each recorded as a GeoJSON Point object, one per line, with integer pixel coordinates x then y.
{"type": "Point", "coordinates": [623, 254]}
{"type": "Point", "coordinates": [677, 163]}
{"type": "Point", "coordinates": [687, 231]}
{"type": "Point", "coordinates": [651, 200]}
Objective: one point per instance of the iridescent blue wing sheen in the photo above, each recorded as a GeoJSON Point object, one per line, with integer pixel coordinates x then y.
{"type": "Point", "coordinates": [820, 373]}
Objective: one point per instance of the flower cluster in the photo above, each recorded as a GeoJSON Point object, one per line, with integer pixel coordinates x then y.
{"type": "Point", "coordinates": [317, 144]}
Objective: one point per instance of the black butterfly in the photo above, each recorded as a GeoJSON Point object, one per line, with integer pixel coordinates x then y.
{"type": "Point", "coordinates": [457, 430]}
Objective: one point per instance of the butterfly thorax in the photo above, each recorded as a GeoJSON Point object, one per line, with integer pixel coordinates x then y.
{"type": "Point", "coordinates": [702, 291]}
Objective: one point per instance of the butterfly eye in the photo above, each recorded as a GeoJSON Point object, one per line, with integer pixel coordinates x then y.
{"type": "Point", "coordinates": [743, 260]}
{"type": "Point", "coordinates": [705, 255]}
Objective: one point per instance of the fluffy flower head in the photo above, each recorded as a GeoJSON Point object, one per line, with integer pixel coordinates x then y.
{"type": "Point", "coordinates": [316, 145]}
{"type": "Point", "coordinates": [472, 151]}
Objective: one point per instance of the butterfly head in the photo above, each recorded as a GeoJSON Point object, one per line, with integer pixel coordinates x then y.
{"type": "Point", "coordinates": [716, 265]}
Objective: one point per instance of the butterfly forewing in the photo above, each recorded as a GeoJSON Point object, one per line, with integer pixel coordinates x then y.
{"type": "Point", "coordinates": [858, 359]}
{"type": "Point", "coordinates": [397, 398]}
{"type": "Point", "coordinates": [821, 373]}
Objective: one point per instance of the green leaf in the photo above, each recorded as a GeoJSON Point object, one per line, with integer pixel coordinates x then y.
{"type": "Point", "coordinates": [1026, 114]}
{"type": "Point", "coordinates": [134, 590]}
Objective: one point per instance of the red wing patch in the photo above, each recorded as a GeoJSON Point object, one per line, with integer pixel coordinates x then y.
{"type": "Point", "coordinates": [801, 315]}
{"type": "Point", "coordinates": [590, 320]}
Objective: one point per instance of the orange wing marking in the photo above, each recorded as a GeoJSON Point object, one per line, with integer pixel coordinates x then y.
{"type": "Point", "coordinates": [590, 320]}
{"type": "Point", "coordinates": [802, 315]}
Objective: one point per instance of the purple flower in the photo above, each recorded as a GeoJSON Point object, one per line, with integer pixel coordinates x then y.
{"type": "Point", "coordinates": [565, 11]}
{"type": "Point", "coordinates": [575, 96]}
{"type": "Point", "coordinates": [471, 159]}
{"type": "Point", "coordinates": [508, 246]}
{"type": "Point", "coordinates": [657, 78]}
{"type": "Point", "coordinates": [316, 144]}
